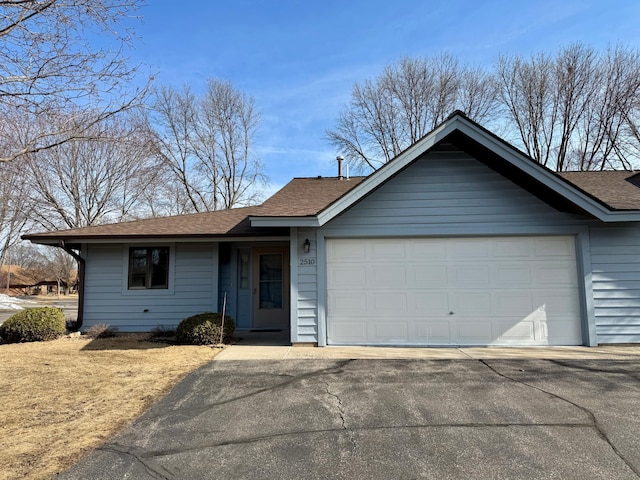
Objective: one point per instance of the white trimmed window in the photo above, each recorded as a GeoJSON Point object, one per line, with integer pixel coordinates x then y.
{"type": "Point", "coordinates": [148, 268]}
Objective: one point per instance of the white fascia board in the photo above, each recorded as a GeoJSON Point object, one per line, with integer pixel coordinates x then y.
{"type": "Point", "coordinates": [378, 178]}
{"type": "Point", "coordinates": [284, 221]}
{"type": "Point", "coordinates": [622, 216]}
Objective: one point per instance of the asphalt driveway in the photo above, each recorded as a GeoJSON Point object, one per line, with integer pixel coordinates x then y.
{"type": "Point", "coordinates": [382, 419]}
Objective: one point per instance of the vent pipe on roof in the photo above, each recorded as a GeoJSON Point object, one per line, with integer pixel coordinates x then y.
{"type": "Point", "coordinates": [339, 159]}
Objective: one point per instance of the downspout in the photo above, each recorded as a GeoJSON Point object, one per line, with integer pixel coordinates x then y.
{"type": "Point", "coordinates": [81, 263]}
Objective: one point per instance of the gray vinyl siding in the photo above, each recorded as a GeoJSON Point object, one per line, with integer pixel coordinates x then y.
{"type": "Point", "coordinates": [615, 261]}
{"type": "Point", "coordinates": [448, 193]}
{"type": "Point", "coordinates": [306, 280]}
{"type": "Point", "coordinates": [193, 278]}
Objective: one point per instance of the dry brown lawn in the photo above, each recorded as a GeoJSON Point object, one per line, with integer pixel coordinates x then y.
{"type": "Point", "coordinates": [60, 399]}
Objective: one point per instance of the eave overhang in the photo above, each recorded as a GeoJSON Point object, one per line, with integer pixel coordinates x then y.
{"type": "Point", "coordinates": [307, 221]}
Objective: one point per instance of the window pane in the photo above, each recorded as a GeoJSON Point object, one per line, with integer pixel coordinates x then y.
{"type": "Point", "coordinates": [244, 270]}
{"type": "Point", "coordinates": [159, 267]}
{"type": "Point", "coordinates": [270, 294]}
{"type": "Point", "coordinates": [138, 262]}
{"type": "Point", "coordinates": [271, 267]}
{"type": "Point", "coordinates": [271, 281]}
{"type": "Point", "coordinates": [137, 281]}
{"type": "Point", "coordinates": [137, 267]}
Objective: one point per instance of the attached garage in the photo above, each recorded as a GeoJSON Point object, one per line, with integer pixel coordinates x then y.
{"type": "Point", "coordinates": [453, 291]}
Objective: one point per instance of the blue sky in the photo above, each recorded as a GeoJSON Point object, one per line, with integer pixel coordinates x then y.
{"type": "Point", "coordinates": [299, 59]}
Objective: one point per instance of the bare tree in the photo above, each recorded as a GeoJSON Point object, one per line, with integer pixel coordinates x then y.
{"type": "Point", "coordinates": [61, 267]}
{"type": "Point", "coordinates": [92, 181]}
{"type": "Point", "coordinates": [47, 65]}
{"type": "Point", "coordinates": [206, 143]}
{"type": "Point", "coordinates": [574, 110]}
{"type": "Point", "coordinates": [22, 254]}
{"type": "Point", "coordinates": [171, 126]}
{"type": "Point", "coordinates": [608, 135]}
{"type": "Point", "coordinates": [408, 100]}
{"type": "Point", "coordinates": [224, 145]}
{"type": "Point", "coordinates": [15, 206]}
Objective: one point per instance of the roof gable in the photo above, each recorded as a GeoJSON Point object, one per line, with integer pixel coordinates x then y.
{"type": "Point", "coordinates": [513, 163]}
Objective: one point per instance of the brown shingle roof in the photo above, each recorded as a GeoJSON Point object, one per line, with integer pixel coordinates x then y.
{"type": "Point", "coordinates": [609, 187]}
{"type": "Point", "coordinates": [300, 197]}
{"type": "Point", "coordinates": [209, 223]}
{"type": "Point", "coordinates": [307, 197]}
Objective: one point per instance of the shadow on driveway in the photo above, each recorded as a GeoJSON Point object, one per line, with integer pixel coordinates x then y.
{"type": "Point", "coordinates": [381, 419]}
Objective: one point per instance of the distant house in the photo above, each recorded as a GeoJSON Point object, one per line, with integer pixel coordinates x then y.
{"type": "Point", "coordinates": [460, 240]}
{"type": "Point", "coordinates": [16, 281]}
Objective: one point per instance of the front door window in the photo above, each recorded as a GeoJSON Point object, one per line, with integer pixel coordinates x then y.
{"type": "Point", "coordinates": [271, 281]}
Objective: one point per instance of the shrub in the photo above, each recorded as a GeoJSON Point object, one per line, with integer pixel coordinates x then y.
{"type": "Point", "coordinates": [101, 330]}
{"type": "Point", "coordinates": [34, 325]}
{"type": "Point", "coordinates": [204, 329]}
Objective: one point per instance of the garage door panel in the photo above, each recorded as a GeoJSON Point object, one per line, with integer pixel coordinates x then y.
{"type": "Point", "coordinates": [521, 332]}
{"type": "Point", "coordinates": [512, 248]}
{"type": "Point", "coordinates": [557, 303]}
{"type": "Point", "coordinates": [349, 330]}
{"type": "Point", "coordinates": [352, 277]}
{"type": "Point", "coordinates": [560, 331]}
{"type": "Point", "coordinates": [426, 303]}
{"type": "Point", "coordinates": [553, 273]}
{"type": "Point", "coordinates": [471, 303]}
{"type": "Point", "coordinates": [347, 303]}
{"type": "Point", "coordinates": [469, 249]}
{"type": "Point", "coordinates": [428, 249]}
{"type": "Point", "coordinates": [386, 249]}
{"type": "Point", "coordinates": [511, 275]}
{"type": "Point", "coordinates": [390, 332]}
{"type": "Point", "coordinates": [389, 276]}
{"type": "Point", "coordinates": [347, 251]}
{"type": "Point", "coordinates": [432, 332]}
{"type": "Point", "coordinates": [518, 303]}
{"type": "Point", "coordinates": [554, 247]}
{"type": "Point", "coordinates": [389, 303]}
{"type": "Point", "coordinates": [473, 331]}
{"type": "Point", "coordinates": [468, 275]}
{"type": "Point", "coordinates": [428, 275]}
{"type": "Point", "coordinates": [460, 291]}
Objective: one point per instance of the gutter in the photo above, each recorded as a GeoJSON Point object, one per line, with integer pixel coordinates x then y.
{"type": "Point", "coordinates": [81, 268]}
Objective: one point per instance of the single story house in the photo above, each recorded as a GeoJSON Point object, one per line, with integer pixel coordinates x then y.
{"type": "Point", "coordinates": [460, 240]}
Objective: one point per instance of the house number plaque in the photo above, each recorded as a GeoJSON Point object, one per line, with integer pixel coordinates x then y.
{"type": "Point", "coordinates": [306, 261]}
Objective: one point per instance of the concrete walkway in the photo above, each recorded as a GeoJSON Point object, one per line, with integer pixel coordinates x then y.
{"type": "Point", "coordinates": [267, 348]}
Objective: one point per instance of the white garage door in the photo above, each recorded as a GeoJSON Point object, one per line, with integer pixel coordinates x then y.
{"type": "Point", "coordinates": [453, 291]}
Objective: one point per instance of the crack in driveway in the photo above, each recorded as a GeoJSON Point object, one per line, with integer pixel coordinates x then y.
{"type": "Point", "coordinates": [140, 453]}
{"type": "Point", "coordinates": [341, 412]}
{"type": "Point", "coordinates": [291, 379]}
{"type": "Point", "coordinates": [334, 369]}
{"type": "Point", "coordinates": [143, 457]}
{"type": "Point", "coordinates": [593, 420]}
